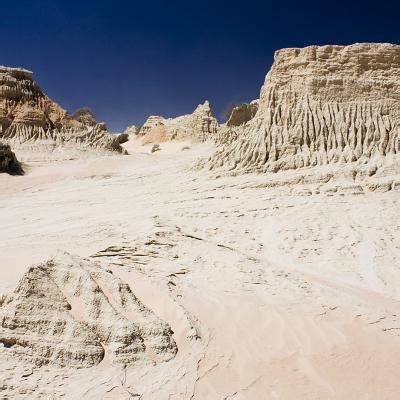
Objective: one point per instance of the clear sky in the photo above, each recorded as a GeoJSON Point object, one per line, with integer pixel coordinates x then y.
{"type": "Point", "coordinates": [128, 59]}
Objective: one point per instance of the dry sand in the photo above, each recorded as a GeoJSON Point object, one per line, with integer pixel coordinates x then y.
{"type": "Point", "coordinates": [289, 292]}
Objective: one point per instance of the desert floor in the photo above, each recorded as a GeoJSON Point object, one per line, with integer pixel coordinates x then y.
{"type": "Point", "coordinates": [283, 292]}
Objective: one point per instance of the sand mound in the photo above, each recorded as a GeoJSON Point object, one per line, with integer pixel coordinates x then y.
{"type": "Point", "coordinates": [71, 312]}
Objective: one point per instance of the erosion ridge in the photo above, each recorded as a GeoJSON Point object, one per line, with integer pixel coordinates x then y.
{"type": "Point", "coordinates": [321, 105]}
{"type": "Point", "coordinates": [32, 123]}
{"type": "Point", "coordinates": [71, 312]}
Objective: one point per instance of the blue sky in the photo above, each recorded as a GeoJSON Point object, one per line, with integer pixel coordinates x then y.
{"type": "Point", "coordinates": [128, 59]}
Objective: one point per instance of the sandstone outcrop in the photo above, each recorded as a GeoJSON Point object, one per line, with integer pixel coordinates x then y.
{"type": "Point", "coordinates": [8, 161]}
{"type": "Point", "coordinates": [71, 312]}
{"type": "Point", "coordinates": [30, 121]}
{"type": "Point", "coordinates": [321, 105]}
{"type": "Point", "coordinates": [198, 126]}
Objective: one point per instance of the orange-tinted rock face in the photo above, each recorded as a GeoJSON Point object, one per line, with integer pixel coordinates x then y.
{"type": "Point", "coordinates": [29, 118]}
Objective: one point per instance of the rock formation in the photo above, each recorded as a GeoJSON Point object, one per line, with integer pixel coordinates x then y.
{"type": "Point", "coordinates": [122, 137]}
{"type": "Point", "coordinates": [8, 161]}
{"type": "Point", "coordinates": [321, 105]}
{"type": "Point", "coordinates": [239, 116]}
{"type": "Point", "coordinates": [85, 116]}
{"type": "Point", "coordinates": [72, 312]}
{"type": "Point", "coordinates": [29, 120]}
{"type": "Point", "coordinates": [198, 126]}
{"type": "Point", "coordinates": [132, 130]}
{"type": "Point", "coordinates": [154, 130]}
{"type": "Point", "coordinates": [242, 113]}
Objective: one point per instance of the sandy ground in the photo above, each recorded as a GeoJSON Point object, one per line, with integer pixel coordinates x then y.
{"type": "Point", "coordinates": [272, 293]}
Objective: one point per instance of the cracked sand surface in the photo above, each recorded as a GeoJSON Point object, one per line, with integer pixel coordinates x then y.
{"type": "Point", "coordinates": [271, 292]}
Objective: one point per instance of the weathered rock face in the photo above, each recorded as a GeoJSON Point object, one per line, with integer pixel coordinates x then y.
{"type": "Point", "coordinates": [154, 130]}
{"type": "Point", "coordinates": [242, 113]}
{"type": "Point", "coordinates": [198, 126]}
{"type": "Point", "coordinates": [16, 83]}
{"type": "Point", "coordinates": [8, 161]}
{"type": "Point", "coordinates": [239, 117]}
{"type": "Point", "coordinates": [132, 130]}
{"type": "Point", "coordinates": [71, 312]}
{"type": "Point", "coordinates": [158, 133]}
{"type": "Point", "coordinates": [122, 137]}
{"type": "Point", "coordinates": [85, 116]}
{"type": "Point", "coordinates": [322, 105]}
{"type": "Point", "coordinates": [30, 120]}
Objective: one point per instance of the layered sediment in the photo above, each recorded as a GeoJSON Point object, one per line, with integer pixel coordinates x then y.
{"type": "Point", "coordinates": [321, 105]}
{"type": "Point", "coordinates": [70, 312]}
{"type": "Point", "coordinates": [31, 122]}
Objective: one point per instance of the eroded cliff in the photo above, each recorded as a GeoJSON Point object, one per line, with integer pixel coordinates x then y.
{"type": "Point", "coordinates": [32, 123]}
{"type": "Point", "coordinates": [321, 105]}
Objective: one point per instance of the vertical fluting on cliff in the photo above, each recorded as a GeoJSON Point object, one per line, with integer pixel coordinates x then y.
{"type": "Point", "coordinates": [322, 105]}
